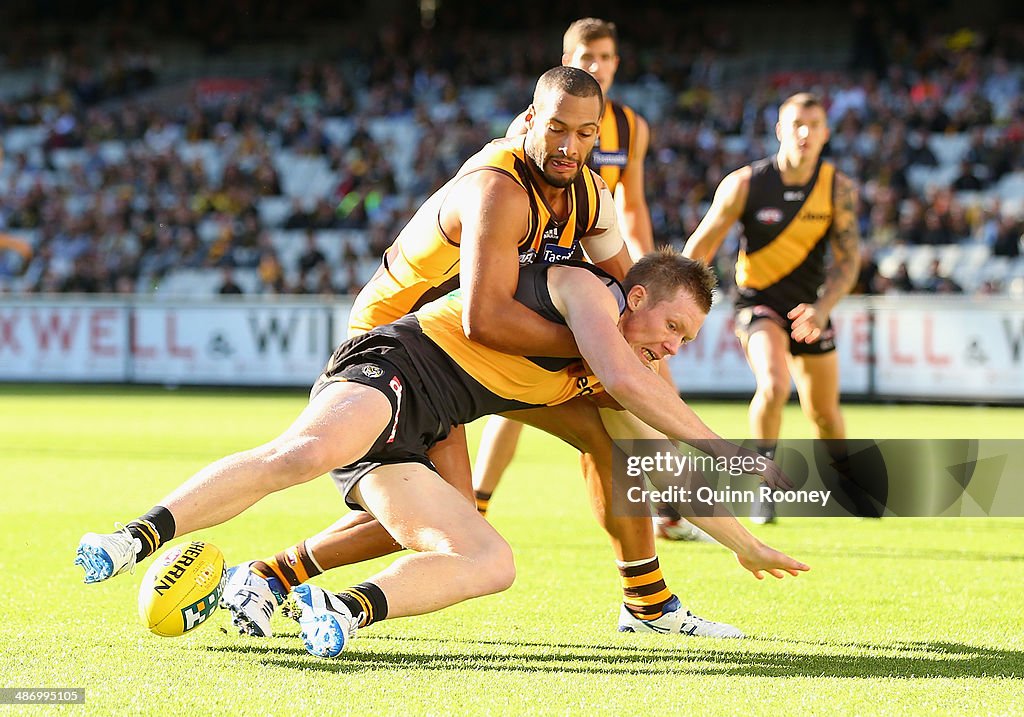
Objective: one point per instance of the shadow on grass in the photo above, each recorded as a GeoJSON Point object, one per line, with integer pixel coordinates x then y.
{"type": "Point", "coordinates": [752, 658]}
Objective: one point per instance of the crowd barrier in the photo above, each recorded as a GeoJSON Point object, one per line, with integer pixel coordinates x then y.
{"type": "Point", "coordinates": [915, 347]}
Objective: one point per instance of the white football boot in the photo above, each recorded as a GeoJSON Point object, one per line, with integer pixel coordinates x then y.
{"type": "Point", "coordinates": [327, 625]}
{"type": "Point", "coordinates": [762, 512]}
{"type": "Point", "coordinates": [675, 620]}
{"type": "Point", "coordinates": [251, 599]}
{"type": "Point", "coordinates": [104, 555]}
{"type": "Point", "coordinates": [681, 530]}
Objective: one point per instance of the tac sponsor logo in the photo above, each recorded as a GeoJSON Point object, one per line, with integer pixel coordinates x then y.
{"type": "Point", "coordinates": [769, 215]}
{"type": "Point", "coordinates": [601, 158]}
{"type": "Point", "coordinates": [793, 196]}
{"type": "Point", "coordinates": [372, 371]}
{"type": "Point", "coordinates": [554, 254]}
{"type": "Point", "coordinates": [527, 257]}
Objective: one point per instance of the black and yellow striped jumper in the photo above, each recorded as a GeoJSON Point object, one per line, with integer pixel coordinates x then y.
{"type": "Point", "coordinates": [781, 261]}
{"type": "Point", "coordinates": [423, 262]}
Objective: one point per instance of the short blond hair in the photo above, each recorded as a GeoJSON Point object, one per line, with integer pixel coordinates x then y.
{"type": "Point", "coordinates": [665, 271]}
{"type": "Point", "coordinates": [586, 30]}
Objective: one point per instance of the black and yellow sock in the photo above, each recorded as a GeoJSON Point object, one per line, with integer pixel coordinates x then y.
{"type": "Point", "coordinates": [292, 567]}
{"type": "Point", "coordinates": [643, 587]}
{"type": "Point", "coordinates": [153, 530]}
{"type": "Point", "coordinates": [365, 601]}
{"type": "Point", "coordinates": [483, 500]}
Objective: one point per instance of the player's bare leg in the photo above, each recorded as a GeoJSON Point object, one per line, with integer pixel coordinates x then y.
{"type": "Point", "coordinates": [766, 346]}
{"type": "Point", "coordinates": [817, 384]}
{"type": "Point", "coordinates": [356, 536]}
{"type": "Point", "coordinates": [337, 427]}
{"type": "Point", "coordinates": [457, 556]}
{"type": "Point", "coordinates": [497, 448]}
{"type": "Point", "coordinates": [257, 588]}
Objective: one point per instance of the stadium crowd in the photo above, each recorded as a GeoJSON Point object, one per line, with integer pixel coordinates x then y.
{"type": "Point", "coordinates": [107, 190]}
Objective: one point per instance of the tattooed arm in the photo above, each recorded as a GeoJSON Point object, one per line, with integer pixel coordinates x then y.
{"type": "Point", "coordinates": [810, 319]}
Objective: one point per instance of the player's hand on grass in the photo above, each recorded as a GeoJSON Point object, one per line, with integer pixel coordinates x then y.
{"type": "Point", "coordinates": [808, 323]}
{"type": "Point", "coordinates": [761, 558]}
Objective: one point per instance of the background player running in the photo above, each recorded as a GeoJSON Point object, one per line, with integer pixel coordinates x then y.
{"type": "Point", "coordinates": [792, 206]}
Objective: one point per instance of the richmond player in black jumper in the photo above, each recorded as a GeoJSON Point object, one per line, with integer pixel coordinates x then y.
{"type": "Point", "coordinates": [792, 206]}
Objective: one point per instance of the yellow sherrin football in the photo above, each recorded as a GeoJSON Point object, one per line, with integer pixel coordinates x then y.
{"type": "Point", "coordinates": [182, 587]}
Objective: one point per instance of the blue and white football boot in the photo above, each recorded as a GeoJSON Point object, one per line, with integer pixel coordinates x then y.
{"type": "Point", "coordinates": [104, 555]}
{"type": "Point", "coordinates": [252, 600]}
{"type": "Point", "coordinates": [327, 625]}
{"type": "Point", "coordinates": [675, 620]}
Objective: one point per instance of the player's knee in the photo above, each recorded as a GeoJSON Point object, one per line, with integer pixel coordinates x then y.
{"type": "Point", "coordinates": [295, 460]}
{"type": "Point", "coordinates": [828, 422]}
{"type": "Point", "coordinates": [502, 571]}
{"type": "Point", "coordinates": [775, 391]}
{"type": "Point", "coordinates": [494, 567]}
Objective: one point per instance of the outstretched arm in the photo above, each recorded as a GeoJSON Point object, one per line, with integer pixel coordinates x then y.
{"type": "Point", "coordinates": [751, 553]}
{"type": "Point", "coordinates": [592, 314]}
{"type": "Point", "coordinates": [809, 320]}
{"type": "Point", "coordinates": [726, 209]}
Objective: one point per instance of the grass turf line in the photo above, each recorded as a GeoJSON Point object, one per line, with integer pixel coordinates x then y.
{"type": "Point", "coordinates": [897, 616]}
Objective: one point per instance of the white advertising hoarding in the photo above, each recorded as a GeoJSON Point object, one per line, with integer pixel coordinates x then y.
{"type": "Point", "coordinates": [63, 341]}
{"type": "Point", "coordinates": [714, 363]}
{"type": "Point", "coordinates": [215, 342]}
{"type": "Point", "coordinates": [949, 348]}
{"type": "Point", "coordinates": [230, 344]}
{"type": "Point", "coordinates": [930, 348]}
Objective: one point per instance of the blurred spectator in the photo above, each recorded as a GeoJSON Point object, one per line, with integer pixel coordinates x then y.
{"type": "Point", "coordinates": [228, 285]}
{"type": "Point", "coordinates": [311, 256]}
{"type": "Point", "coordinates": [966, 180]}
{"type": "Point", "coordinates": [298, 218]}
{"type": "Point", "coordinates": [868, 275]}
{"type": "Point", "coordinates": [1009, 238]}
{"type": "Point", "coordinates": [118, 193]}
{"type": "Point", "coordinates": [936, 282]}
{"type": "Point", "coordinates": [901, 280]}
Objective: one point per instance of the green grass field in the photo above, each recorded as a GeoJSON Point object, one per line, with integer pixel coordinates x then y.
{"type": "Point", "coordinates": [897, 616]}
